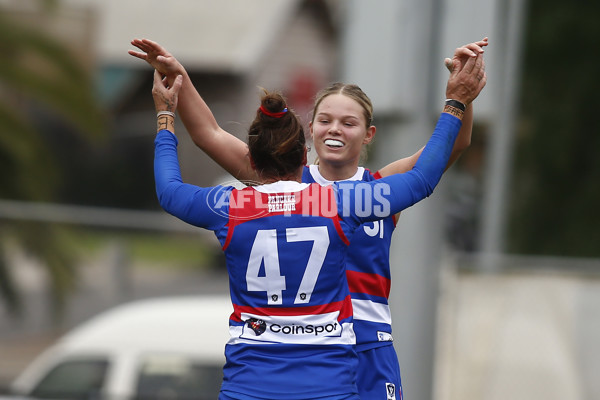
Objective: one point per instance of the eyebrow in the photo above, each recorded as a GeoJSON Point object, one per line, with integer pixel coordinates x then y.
{"type": "Point", "coordinates": [346, 116]}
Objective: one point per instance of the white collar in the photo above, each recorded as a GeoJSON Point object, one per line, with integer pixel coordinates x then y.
{"type": "Point", "coordinates": [314, 171]}
{"type": "Point", "coordinates": [281, 187]}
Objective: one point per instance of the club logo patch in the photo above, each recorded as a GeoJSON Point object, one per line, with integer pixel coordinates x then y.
{"type": "Point", "coordinates": [257, 325]}
{"type": "Point", "coordinates": [390, 390]}
{"type": "Point", "coordinates": [384, 336]}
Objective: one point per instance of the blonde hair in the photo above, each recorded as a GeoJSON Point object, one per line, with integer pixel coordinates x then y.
{"type": "Point", "coordinates": [349, 90]}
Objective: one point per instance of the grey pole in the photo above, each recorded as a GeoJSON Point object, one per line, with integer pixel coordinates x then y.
{"type": "Point", "coordinates": [389, 51]}
{"type": "Point", "coordinates": [416, 245]}
{"type": "Point", "coordinates": [511, 16]}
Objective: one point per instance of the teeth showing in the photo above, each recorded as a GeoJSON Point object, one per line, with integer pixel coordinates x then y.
{"type": "Point", "coordinates": [334, 143]}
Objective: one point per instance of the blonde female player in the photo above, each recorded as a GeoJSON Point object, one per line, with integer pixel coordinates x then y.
{"type": "Point", "coordinates": [341, 126]}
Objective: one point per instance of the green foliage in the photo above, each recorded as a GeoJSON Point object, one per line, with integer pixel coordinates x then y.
{"type": "Point", "coordinates": [159, 250]}
{"type": "Point", "coordinates": [38, 76]}
{"type": "Point", "coordinates": [556, 188]}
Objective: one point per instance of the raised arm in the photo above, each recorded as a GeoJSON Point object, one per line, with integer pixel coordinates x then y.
{"type": "Point", "coordinates": [396, 192]}
{"type": "Point", "coordinates": [463, 141]}
{"type": "Point", "coordinates": [224, 148]}
{"type": "Point", "coordinates": [192, 204]}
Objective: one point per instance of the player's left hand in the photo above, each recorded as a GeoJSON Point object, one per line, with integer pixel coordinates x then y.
{"type": "Point", "coordinates": [165, 96]}
{"type": "Point", "coordinates": [462, 54]}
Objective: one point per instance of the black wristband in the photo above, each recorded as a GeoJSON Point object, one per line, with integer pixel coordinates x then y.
{"type": "Point", "coordinates": [456, 104]}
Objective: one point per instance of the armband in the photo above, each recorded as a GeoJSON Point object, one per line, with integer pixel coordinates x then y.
{"type": "Point", "coordinates": [456, 104]}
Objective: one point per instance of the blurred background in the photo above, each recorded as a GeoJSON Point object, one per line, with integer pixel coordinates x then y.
{"type": "Point", "coordinates": [496, 283]}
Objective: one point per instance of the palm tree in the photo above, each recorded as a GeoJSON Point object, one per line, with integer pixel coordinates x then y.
{"type": "Point", "coordinates": [38, 75]}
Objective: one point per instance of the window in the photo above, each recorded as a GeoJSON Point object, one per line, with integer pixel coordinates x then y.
{"type": "Point", "coordinates": [176, 377]}
{"type": "Point", "coordinates": [74, 379]}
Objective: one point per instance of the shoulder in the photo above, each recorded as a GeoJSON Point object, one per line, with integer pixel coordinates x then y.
{"type": "Point", "coordinates": [306, 174]}
{"type": "Point", "coordinates": [371, 176]}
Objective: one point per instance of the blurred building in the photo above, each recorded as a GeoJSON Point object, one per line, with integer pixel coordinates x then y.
{"type": "Point", "coordinates": [229, 49]}
{"type": "Point", "coordinates": [73, 26]}
{"type": "Point", "coordinates": [531, 333]}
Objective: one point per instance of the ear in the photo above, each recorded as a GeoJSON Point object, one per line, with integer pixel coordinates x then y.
{"type": "Point", "coordinates": [310, 129]}
{"type": "Point", "coordinates": [370, 134]}
{"type": "Point", "coordinates": [305, 158]}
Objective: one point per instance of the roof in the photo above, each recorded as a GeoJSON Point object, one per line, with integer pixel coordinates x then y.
{"type": "Point", "coordinates": [229, 36]}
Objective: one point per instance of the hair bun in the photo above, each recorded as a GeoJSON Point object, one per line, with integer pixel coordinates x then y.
{"type": "Point", "coordinates": [276, 138]}
{"type": "Point", "coordinates": [273, 105]}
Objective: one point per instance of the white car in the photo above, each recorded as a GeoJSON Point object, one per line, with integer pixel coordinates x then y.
{"type": "Point", "coordinates": [164, 348]}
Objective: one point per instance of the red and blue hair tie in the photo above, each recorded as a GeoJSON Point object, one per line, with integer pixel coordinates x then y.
{"type": "Point", "coordinates": [273, 114]}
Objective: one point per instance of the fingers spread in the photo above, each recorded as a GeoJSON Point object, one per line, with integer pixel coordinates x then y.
{"type": "Point", "coordinates": [149, 42]}
{"type": "Point", "coordinates": [153, 46]}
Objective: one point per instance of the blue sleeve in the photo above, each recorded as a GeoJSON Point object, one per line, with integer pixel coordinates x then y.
{"type": "Point", "coordinates": [203, 207]}
{"type": "Point", "coordinates": [369, 201]}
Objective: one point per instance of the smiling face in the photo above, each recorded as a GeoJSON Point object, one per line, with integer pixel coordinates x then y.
{"type": "Point", "coordinates": [339, 130]}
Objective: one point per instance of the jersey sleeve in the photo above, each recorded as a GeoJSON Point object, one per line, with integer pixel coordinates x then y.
{"type": "Point", "coordinates": [369, 201]}
{"type": "Point", "coordinates": [199, 206]}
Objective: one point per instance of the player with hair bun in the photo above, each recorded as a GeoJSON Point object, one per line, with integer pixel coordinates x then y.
{"type": "Point", "coordinates": [291, 296]}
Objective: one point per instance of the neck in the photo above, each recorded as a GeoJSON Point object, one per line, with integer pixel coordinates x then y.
{"type": "Point", "coordinates": [295, 176]}
{"type": "Point", "coordinates": [337, 172]}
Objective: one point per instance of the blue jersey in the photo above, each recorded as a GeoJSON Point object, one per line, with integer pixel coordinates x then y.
{"type": "Point", "coordinates": [284, 255]}
{"type": "Point", "coordinates": [291, 331]}
{"type": "Point", "coordinates": [368, 270]}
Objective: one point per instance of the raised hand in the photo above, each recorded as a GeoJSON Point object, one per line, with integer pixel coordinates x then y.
{"type": "Point", "coordinates": [466, 83]}
{"type": "Point", "coordinates": [462, 54]}
{"type": "Point", "coordinates": [165, 96]}
{"type": "Point", "coordinates": [158, 57]}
